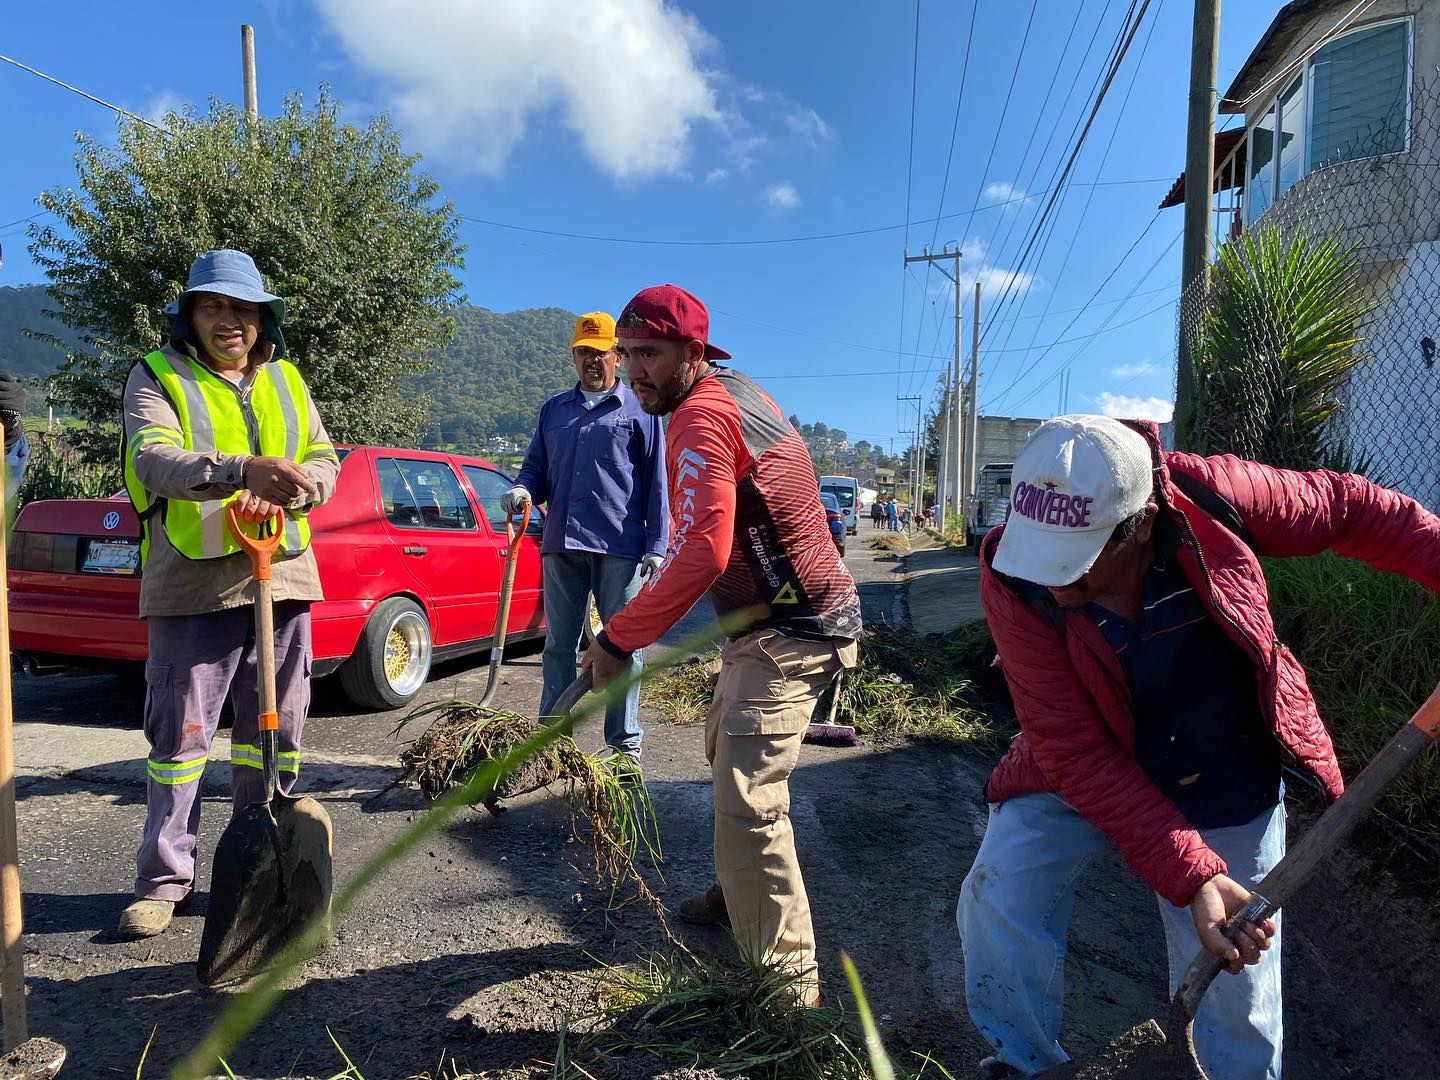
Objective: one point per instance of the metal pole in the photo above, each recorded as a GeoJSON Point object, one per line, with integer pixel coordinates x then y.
{"type": "Point", "coordinates": [972, 477]}
{"type": "Point", "coordinates": [1199, 180]}
{"type": "Point", "coordinates": [920, 474]}
{"type": "Point", "coordinates": [943, 471]}
{"type": "Point", "coordinates": [958, 482]}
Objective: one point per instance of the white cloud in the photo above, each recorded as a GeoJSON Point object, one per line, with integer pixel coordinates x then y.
{"type": "Point", "coordinates": [716, 176]}
{"type": "Point", "coordinates": [1135, 408]}
{"type": "Point", "coordinates": [164, 103]}
{"type": "Point", "coordinates": [782, 196]}
{"type": "Point", "coordinates": [994, 282]}
{"type": "Point", "coordinates": [1003, 191]}
{"type": "Point", "coordinates": [1134, 371]}
{"type": "Point", "coordinates": [466, 80]}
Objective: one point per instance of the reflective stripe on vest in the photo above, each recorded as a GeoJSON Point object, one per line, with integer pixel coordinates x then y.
{"type": "Point", "coordinates": [272, 420]}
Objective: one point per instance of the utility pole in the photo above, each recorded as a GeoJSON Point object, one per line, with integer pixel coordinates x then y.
{"type": "Point", "coordinates": [915, 445]}
{"type": "Point", "coordinates": [247, 64]}
{"type": "Point", "coordinates": [956, 426]}
{"type": "Point", "coordinates": [943, 466]}
{"type": "Point", "coordinates": [973, 412]}
{"type": "Point", "coordinates": [1199, 179]}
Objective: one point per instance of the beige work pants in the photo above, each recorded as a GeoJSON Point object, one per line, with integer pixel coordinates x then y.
{"type": "Point", "coordinates": [763, 700]}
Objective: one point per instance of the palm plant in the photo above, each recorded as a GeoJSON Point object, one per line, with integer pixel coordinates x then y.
{"type": "Point", "coordinates": [1278, 334]}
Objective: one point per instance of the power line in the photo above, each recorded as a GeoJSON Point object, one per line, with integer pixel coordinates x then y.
{"type": "Point", "coordinates": [1079, 144]}
{"type": "Point", "coordinates": [82, 93]}
{"type": "Point", "coordinates": [1085, 210]}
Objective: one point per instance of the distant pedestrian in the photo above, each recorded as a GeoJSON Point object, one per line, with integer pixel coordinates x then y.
{"type": "Point", "coordinates": [598, 460]}
{"type": "Point", "coordinates": [892, 516]}
{"type": "Point", "coordinates": [877, 513]}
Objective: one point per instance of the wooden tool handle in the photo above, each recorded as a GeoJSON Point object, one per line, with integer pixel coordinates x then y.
{"type": "Point", "coordinates": [12, 943]}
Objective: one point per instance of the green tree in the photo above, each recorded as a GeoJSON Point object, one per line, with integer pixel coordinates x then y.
{"type": "Point", "coordinates": [1278, 334]}
{"type": "Point", "coordinates": [335, 216]}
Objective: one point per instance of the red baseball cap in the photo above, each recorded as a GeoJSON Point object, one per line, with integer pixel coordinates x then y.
{"type": "Point", "coordinates": [671, 313]}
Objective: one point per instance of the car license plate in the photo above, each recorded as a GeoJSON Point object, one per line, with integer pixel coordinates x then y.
{"type": "Point", "coordinates": [111, 557]}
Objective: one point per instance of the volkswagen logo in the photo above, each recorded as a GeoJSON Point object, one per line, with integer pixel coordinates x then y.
{"type": "Point", "coordinates": [112, 520]}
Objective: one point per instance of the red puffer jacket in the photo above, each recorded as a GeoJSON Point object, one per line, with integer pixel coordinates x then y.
{"type": "Point", "coordinates": [1076, 730]}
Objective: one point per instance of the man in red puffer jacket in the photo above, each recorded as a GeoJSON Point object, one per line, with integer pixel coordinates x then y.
{"type": "Point", "coordinates": [1156, 711]}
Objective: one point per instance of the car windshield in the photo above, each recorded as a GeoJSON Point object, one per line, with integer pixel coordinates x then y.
{"type": "Point", "coordinates": [828, 501]}
{"type": "Point", "coordinates": [844, 496]}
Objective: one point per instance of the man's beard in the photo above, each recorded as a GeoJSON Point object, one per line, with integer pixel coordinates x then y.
{"type": "Point", "coordinates": [668, 397]}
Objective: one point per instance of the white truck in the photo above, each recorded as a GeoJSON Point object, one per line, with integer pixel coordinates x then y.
{"type": "Point", "coordinates": [846, 490]}
{"type": "Point", "coordinates": [988, 503]}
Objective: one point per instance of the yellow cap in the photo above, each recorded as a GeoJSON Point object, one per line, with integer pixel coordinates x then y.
{"type": "Point", "coordinates": [595, 329]}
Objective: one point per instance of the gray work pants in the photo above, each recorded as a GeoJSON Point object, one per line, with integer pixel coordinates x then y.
{"type": "Point", "coordinates": [195, 661]}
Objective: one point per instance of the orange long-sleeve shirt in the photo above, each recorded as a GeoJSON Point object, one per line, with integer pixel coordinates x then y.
{"type": "Point", "coordinates": [746, 525]}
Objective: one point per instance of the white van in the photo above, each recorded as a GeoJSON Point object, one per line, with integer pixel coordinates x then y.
{"type": "Point", "coordinates": [990, 502]}
{"type": "Point", "coordinates": [846, 490]}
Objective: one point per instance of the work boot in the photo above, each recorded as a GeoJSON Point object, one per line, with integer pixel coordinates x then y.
{"type": "Point", "coordinates": [144, 918]}
{"type": "Point", "coordinates": [708, 909]}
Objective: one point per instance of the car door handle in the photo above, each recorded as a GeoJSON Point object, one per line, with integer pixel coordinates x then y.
{"type": "Point", "coordinates": [414, 549]}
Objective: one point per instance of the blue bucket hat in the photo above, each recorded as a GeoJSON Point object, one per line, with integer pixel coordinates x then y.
{"type": "Point", "coordinates": [233, 274]}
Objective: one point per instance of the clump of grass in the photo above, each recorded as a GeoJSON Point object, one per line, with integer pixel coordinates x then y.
{"type": "Point", "coordinates": [611, 811]}
{"type": "Point", "coordinates": [721, 1017]}
{"type": "Point", "coordinates": [898, 542]}
{"type": "Point", "coordinates": [683, 692]}
{"type": "Point", "coordinates": [905, 685]}
{"type": "Point", "coordinates": [1370, 643]}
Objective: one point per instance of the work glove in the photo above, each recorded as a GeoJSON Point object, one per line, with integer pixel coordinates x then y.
{"type": "Point", "coordinates": [650, 564]}
{"type": "Point", "coordinates": [514, 500]}
{"type": "Point", "coordinates": [12, 408]}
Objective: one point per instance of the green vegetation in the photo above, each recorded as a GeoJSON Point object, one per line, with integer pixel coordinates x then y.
{"type": "Point", "coordinates": [57, 470]}
{"type": "Point", "coordinates": [1274, 342]}
{"type": "Point", "coordinates": [1370, 644]}
{"type": "Point", "coordinates": [335, 216]}
{"type": "Point", "coordinates": [906, 685]}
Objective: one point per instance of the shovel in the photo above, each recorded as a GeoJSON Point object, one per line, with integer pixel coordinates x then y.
{"type": "Point", "coordinates": [1165, 1050]}
{"type": "Point", "coordinates": [273, 875]}
{"type": "Point", "coordinates": [502, 614]}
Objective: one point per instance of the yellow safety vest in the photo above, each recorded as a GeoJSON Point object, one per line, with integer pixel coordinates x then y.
{"type": "Point", "coordinates": [272, 419]}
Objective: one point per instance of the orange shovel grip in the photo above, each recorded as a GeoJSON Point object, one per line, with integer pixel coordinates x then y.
{"type": "Point", "coordinates": [513, 535]}
{"type": "Point", "coordinates": [258, 548]}
{"type": "Point", "coordinates": [1427, 719]}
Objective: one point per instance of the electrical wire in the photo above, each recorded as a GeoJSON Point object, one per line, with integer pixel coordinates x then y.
{"type": "Point", "coordinates": [82, 93]}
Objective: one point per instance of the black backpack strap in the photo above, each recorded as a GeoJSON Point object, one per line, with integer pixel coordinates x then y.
{"type": "Point", "coordinates": [1213, 503]}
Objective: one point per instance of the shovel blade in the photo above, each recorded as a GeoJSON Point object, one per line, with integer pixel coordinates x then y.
{"type": "Point", "coordinates": [273, 880]}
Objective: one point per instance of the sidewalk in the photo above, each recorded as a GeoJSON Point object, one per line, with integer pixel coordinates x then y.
{"type": "Point", "coordinates": [942, 588]}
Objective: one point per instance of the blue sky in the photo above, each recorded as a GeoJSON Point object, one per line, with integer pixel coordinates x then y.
{"type": "Point", "coordinates": [716, 123]}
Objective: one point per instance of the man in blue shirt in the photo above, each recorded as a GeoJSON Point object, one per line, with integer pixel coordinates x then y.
{"type": "Point", "coordinates": [598, 461]}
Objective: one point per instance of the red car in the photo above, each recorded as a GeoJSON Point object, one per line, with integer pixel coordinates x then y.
{"type": "Point", "coordinates": [410, 548]}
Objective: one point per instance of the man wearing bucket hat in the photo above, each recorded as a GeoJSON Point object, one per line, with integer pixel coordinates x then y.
{"type": "Point", "coordinates": [217, 415]}
{"type": "Point", "coordinates": [1157, 710]}
{"type": "Point", "coordinates": [749, 529]}
{"type": "Point", "coordinates": [597, 460]}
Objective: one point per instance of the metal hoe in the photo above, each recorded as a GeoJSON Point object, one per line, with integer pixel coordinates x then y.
{"type": "Point", "coordinates": [273, 873]}
{"type": "Point", "coordinates": [1162, 1050]}
{"type": "Point", "coordinates": [513, 537]}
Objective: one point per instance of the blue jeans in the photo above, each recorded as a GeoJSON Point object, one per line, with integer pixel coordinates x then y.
{"type": "Point", "coordinates": [569, 579]}
{"type": "Point", "coordinates": [1014, 912]}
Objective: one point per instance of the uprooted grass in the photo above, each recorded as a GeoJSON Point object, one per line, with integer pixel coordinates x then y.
{"type": "Point", "coordinates": [906, 685]}
{"type": "Point", "coordinates": [611, 811]}
{"type": "Point", "coordinates": [898, 542]}
{"type": "Point", "coordinates": [720, 1017]}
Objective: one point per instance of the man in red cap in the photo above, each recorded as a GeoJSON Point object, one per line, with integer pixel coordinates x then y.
{"type": "Point", "coordinates": [748, 528]}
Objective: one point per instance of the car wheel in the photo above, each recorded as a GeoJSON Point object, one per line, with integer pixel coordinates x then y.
{"type": "Point", "coordinates": [392, 657]}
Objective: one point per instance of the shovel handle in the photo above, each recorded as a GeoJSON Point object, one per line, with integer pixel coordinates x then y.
{"type": "Point", "coordinates": [513, 535]}
{"type": "Point", "coordinates": [1281, 883]}
{"type": "Point", "coordinates": [259, 548]}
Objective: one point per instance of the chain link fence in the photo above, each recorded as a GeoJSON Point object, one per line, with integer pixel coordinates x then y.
{"type": "Point", "coordinates": [1314, 340]}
